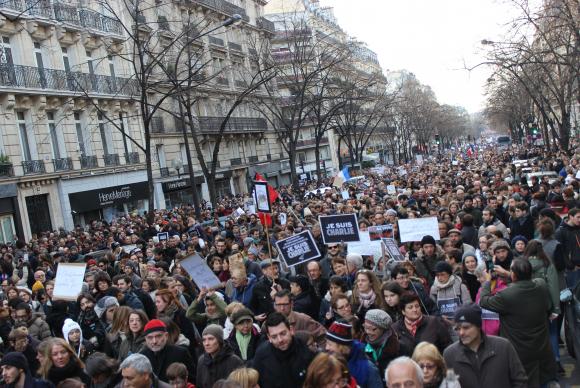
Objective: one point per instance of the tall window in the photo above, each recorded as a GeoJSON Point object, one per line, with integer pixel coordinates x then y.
{"type": "Point", "coordinates": [183, 153]}
{"type": "Point", "coordinates": [7, 74]}
{"type": "Point", "coordinates": [65, 60]}
{"type": "Point", "coordinates": [161, 155]}
{"type": "Point", "coordinates": [7, 231]}
{"type": "Point", "coordinates": [40, 63]}
{"type": "Point", "coordinates": [80, 134]}
{"type": "Point", "coordinates": [111, 65]}
{"type": "Point", "coordinates": [127, 143]}
{"type": "Point", "coordinates": [103, 132]}
{"type": "Point", "coordinates": [23, 134]}
{"type": "Point", "coordinates": [53, 135]}
{"type": "Point", "coordinates": [6, 52]}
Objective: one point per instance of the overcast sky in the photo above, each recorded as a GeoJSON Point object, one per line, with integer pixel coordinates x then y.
{"type": "Point", "coordinates": [434, 39]}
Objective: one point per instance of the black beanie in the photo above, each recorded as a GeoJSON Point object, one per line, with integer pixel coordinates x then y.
{"type": "Point", "coordinates": [15, 359]}
{"type": "Point", "coordinates": [470, 313]}
{"type": "Point", "coordinates": [428, 240]}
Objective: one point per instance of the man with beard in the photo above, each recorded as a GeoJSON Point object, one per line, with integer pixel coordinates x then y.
{"type": "Point", "coordinates": [16, 373]}
{"type": "Point", "coordinates": [489, 218]}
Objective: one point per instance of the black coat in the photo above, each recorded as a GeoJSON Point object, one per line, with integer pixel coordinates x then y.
{"type": "Point", "coordinates": [255, 341]}
{"type": "Point", "coordinates": [523, 227]}
{"type": "Point", "coordinates": [431, 329]}
{"type": "Point", "coordinates": [167, 356]}
{"type": "Point", "coordinates": [282, 369]}
{"type": "Point", "coordinates": [211, 369]}
{"type": "Point", "coordinates": [261, 301]}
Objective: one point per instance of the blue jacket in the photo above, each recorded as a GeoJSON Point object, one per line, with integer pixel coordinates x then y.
{"type": "Point", "coordinates": [363, 370]}
{"type": "Point", "coordinates": [244, 294]}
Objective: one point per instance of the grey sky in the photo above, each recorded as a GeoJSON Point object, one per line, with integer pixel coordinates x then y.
{"type": "Point", "coordinates": [431, 38]}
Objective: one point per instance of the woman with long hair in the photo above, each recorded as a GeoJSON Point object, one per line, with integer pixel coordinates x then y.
{"type": "Point", "coordinates": [168, 306]}
{"type": "Point", "coordinates": [392, 292]}
{"type": "Point", "coordinates": [366, 293]}
{"type": "Point", "coordinates": [117, 334]}
{"type": "Point", "coordinates": [61, 362]}
{"type": "Point", "coordinates": [134, 340]}
{"type": "Point", "coordinates": [327, 371]}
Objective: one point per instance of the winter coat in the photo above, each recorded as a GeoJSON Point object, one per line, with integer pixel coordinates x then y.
{"type": "Point", "coordinates": [131, 300]}
{"type": "Point", "coordinates": [490, 319]}
{"type": "Point", "coordinates": [37, 327]}
{"type": "Point", "coordinates": [523, 309]}
{"type": "Point", "coordinates": [365, 372]}
{"type": "Point", "coordinates": [244, 294]}
{"type": "Point", "coordinates": [201, 319]}
{"type": "Point", "coordinates": [431, 329]}
{"type": "Point", "coordinates": [282, 369]}
{"type": "Point", "coordinates": [384, 353]}
{"type": "Point", "coordinates": [450, 296]}
{"type": "Point", "coordinates": [255, 341]}
{"type": "Point", "coordinates": [130, 345]}
{"type": "Point", "coordinates": [31, 382]}
{"type": "Point", "coordinates": [156, 383]}
{"type": "Point", "coordinates": [523, 226]}
{"type": "Point", "coordinates": [550, 276]}
{"type": "Point", "coordinates": [499, 226]}
{"type": "Point", "coordinates": [498, 364]}
{"type": "Point", "coordinates": [426, 265]}
{"type": "Point", "coordinates": [92, 327]}
{"type": "Point", "coordinates": [211, 369]}
{"type": "Point", "coordinates": [70, 370]}
{"type": "Point", "coordinates": [569, 236]}
{"type": "Point", "coordinates": [161, 360]}
{"type": "Point", "coordinates": [305, 303]}
{"type": "Point", "coordinates": [469, 235]}
{"type": "Point", "coordinates": [261, 302]}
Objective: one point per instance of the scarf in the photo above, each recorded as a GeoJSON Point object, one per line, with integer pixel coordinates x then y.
{"type": "Point", "coordinates": [243, 343]}
{"type": "Point", "coordinates": [72, 369]}
{"type": "Point", "coordinates": [169, 311]}
{"type": "Point", "coordinates": [444, 285]}
{"type": "Point", "coordinates": [412, 326]}
{"type": "Point", "coordinates": [367, 299]}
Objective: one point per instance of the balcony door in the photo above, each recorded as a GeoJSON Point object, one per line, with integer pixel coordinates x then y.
{"type": "Point", "coordinates": [38, 213]}
{"type": "Point", "coordinates": [7, 72]}
{"type": "Point", "coordinates": [40, 64]}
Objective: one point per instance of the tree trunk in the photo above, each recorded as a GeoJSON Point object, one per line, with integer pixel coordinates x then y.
{"type": "Point", "coordinates": [317, 157]}
{"type": "Point", "coordinates": [210, 179]}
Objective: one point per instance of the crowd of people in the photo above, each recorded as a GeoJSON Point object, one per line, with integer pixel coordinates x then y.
{"type": "Point", "coordinates": [477, 306]}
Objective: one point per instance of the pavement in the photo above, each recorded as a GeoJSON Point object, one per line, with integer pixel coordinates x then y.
{"type": "Point", "coordinates": [572, 377]}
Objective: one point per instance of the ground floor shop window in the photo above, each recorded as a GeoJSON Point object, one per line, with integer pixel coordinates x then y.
{"type": "Point", "coordinates": [7, 230]}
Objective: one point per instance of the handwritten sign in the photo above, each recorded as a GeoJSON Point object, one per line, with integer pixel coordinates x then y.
{"type": "Point", "coordinates": [415, 229]}
{"type": "Point", "coordinates": [339, 228]}
{"type": "Point", "coordinates": [69, 280]}
{"type": "Point", "coordinates": [199, 271]}
{"type": "Point", "coordinates": [298, 248]}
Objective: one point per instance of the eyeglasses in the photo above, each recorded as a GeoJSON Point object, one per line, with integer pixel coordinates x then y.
{"type": "Point", "coordinates": [427, 366]}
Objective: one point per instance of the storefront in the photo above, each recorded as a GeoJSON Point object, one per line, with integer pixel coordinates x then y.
{"type": "Point", "coordinates": [178, 192]}
{"type": "Point", "coordinates": [109, 202]}
{"type": "Point", "coordinates": [10, 225]}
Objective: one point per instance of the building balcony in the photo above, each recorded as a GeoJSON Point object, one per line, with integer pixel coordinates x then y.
{"type": "Point", "coordinates": [216, 41]}
{"type": "Point", "coordinates": [62, 164]}
{"type": "Point", "coordinates": [132, 158]}
{"type": "Point", "coordinates": [33, 167]}
{"type": "Point", "coordinates": [222, 81]}
{"type": "Point", "coordinates": [235, 46]}
{"type": "Point", "coordinates": [210, 165]}
{"type": "Point", "coordinates": [253, 159]}
{"type": "Point", "coordinates": [6, 170]}
{"type": "Point", "coordinates": [224, 7]}
{"type": "Point", "coordinates": [157, 125]}
{"type": "Point", "coordinates": [89, 161]}
{"type": "Point", "coordinates": [266, 25]}
{"type": "Point", "coordinates": [30, 77]}
{"type": "Point", "coordinates": [208, 124]}
{"type": "Point", "coordinates": [310, 142]}
{"type": "Point", "coordinates": [66, 13]}
{"type": "Point", "coordinates": [236, 162]}
{"type": "Point", "coordinates": [111, 160]}
{"type": "Point", "coordinates": [164, 171]}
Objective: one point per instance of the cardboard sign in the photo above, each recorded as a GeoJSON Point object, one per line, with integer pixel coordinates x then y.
{"type": "Point", "coordinates": [262, 197]}
{"type": "Point", "coordinates": [392, 249]}
{"type": "Point", "coordinates": [339, 228]}
{"type": "Point", "coordinates": [415, 229]}
{"type": "Point", "coordinates": [163, 236]}
{"type": "Point", "coordinates": [380, 231]}
{"type": "Point", "coordinates": [69, 279]}
{"type": "Point", "coordinates": [199, 271]}
{"type": "Point", "coordinates": [298, 249]}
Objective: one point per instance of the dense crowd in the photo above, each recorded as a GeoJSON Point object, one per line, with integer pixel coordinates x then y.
{"type": "Point", "coordinates": [478, 307]}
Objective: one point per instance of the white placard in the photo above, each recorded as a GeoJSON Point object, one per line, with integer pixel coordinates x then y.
{"type": "Point", "coordinates": [391, 189]}
{"type": "Point", "coordinates": [455, 162]}
{"type": "Point", "coordinates": [283, 218]}
{"type": "Point", "coordinates": [69, 280]}
{"type": "Point", "coordinates": [199, 271]}
{"type": "Point", "coordinates": [345, 194]}
{"type": "Point", "coordinates": [415, 229]}
{"type": "Point", "coordinates": [365, 246]}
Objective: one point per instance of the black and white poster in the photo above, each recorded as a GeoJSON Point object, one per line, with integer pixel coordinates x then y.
{"type": "Point", "coordinates": [298, 248]}
{"type": "Point", "coordinates": [262, 197]}
{"type": "Point", "coordinates": [392, 249]}
{"type": "Point", "coordinates": [163, 236]}
{"type": "Point", "coordinates": [339, 228]}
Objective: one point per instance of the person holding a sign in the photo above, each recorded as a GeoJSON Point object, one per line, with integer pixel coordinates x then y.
{"type": "Point", "coordinates": [448, 291]}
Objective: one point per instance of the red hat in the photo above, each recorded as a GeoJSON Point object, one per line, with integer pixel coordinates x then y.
{"type": "Point", "coordinates": [92, 262]}
{"type": "Point", "coordinates": [340, 333]}
{"type": "Point", "coordinates": [153, 326]}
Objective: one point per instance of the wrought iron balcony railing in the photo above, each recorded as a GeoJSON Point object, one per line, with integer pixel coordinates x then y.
{"type": "Point", "coordinates": [6, 170]}
{"type": "Point", "coordinates": [225, 7]}
{"type": "Point", "coordinates": [236, 161]}
{"type": "Point", "coordinates": [235, 46]}
{"type": "Point", "coordinates": [234, 124]}
{"type": "Point", "coordinates": [253, 159]}
{"type": "Point", "coordinates": [62, 164]}
{"type": "Point", "coordinates": [111, 159]}
{"type": "Point", "coordinates": [30, 77]}
{"type": "Point", "coordinates": [33, 167]}
{"type": "Point", "coordinates": [164, 171]}
{"type": "Point", "coordinates": [157, 125]}
{"type": "Point", "coordinates": [216, 41]}
{"type": "Point", "coordinates": [266, 25]}
{"type": "Point", "coordinates": [89, 161]}
{"type": "Point", "coordinates": [132, 158]}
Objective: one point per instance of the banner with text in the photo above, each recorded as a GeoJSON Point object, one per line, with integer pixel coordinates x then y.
{"type": "Point", "coordinates": [339, 228]}
{"type": "Point", "coordinates": [298, 249]}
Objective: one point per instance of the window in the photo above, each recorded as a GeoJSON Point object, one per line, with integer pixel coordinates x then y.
{"type": "Point", "coordinates": [90, 62]}
{"type": "Point", "coordinates": [65, 59]}
{"type": "Point", "coordinates": [160, 152]}
{"type": "Point", "coordinates": [7, 231]}
{"type": "Point", "coordinates": [53, 135]}
{"type": "Point", "coordinates": [105, 135]}
{"type": "Point", "coordinates": [6, 52]}
{"type": "Point", "coordinates": [40, 64]}
{"type": "Point", "coordinates": [80, 134]}
{"type": "Point", "coordinates": [301, 157]}
{"type": "Point", "coordinates": [23, 134]}
{"type": "Point", "coordinates": [111, 66]}
{"type": "Point", "coordinates": [125, 130]}
{"type": "Point", "coordinates": [183, 153]}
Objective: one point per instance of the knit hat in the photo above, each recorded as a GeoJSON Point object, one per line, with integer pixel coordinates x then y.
{"type": "Point", "coordinates": [443, 266]}
{"type": "Point", "coordinates": [379, 318]}
{"type": "Point", "coordinates": [242, 315]}
{"type": "Point", "coordinates": [37, 286]}
{"type": "Point", "coordinates": [391, 212]}
{"type": "Point", "coordinates": [248, 241]}
{"type": "Point", "coordinates": [500, 244]}
{"type": "Point", "coordinates": [426, 240]}
{"type": "Point", "coordinates": [154, 325]}
{"type": "Point", "coordinates": [70, 325]}
{"type": "Point", "coordinates": [467, 254]}
{"type": "Point", "coordinates": [15, 359]}
{"type": "Point", "coordinates": [104, 303]}
{"type": "Point", "coordinates": [340, 332]}
{"type": "Point", "coordinates": [470, 313]}
{"type": "Point", "coordinates": [517, 238]}
{"type": "Point", "coordinates": [214, 330]}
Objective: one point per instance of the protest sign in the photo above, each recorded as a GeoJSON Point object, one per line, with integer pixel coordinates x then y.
{"type": "Point", "coordinates": [238, 212]}
{"type": "Point", "coordinates": [163, 236]}
{"type": "Point", "coordinates": [298, 248]}
{"type": "Point", "coordinates": [262, 197]}
{"type": "Point", "coordinates": [391, 189]}
{"type": "Point", "coordinates": [380, 231]}
{"type": "Point", "coordinates": [283, 218]}
{"type": "Point", "coordinates": [199, 271]}
{"type": "Point", "coordinates": [339, 228]}
{"type": "Point", "coordinates": [392, 249]}
{"type": "Point", "coordinates": [345, 194]}
{"type": "Point", "coordinates": [365, 246]}
{"type": "Point", "coordinates": [129, 248]}
{"type": "Point", "coordinates": [415, 229]}
{"type": "Point", "coordinates": [69, 279]}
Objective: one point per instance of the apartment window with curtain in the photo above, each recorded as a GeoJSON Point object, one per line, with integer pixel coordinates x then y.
{"type": "Point", "coordinates": [52, 129]}
{"type": "Point", "coordinates": [23, 135]}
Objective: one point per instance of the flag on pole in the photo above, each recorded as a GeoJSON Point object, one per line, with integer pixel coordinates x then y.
{"type": "Point", "coordinates": [341, 177]}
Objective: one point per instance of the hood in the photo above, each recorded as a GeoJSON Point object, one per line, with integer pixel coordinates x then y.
{"type": "Point", "coordinates": [70, 325]}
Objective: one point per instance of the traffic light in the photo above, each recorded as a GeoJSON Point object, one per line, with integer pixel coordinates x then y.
{"type": "Point", "coordinates": [437, 139]}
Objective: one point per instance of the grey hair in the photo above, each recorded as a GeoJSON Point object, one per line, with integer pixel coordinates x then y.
{"type": "Point", "coordinates": [138, 362]}
{"type": "Point", "coordinates": [405, 360]}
